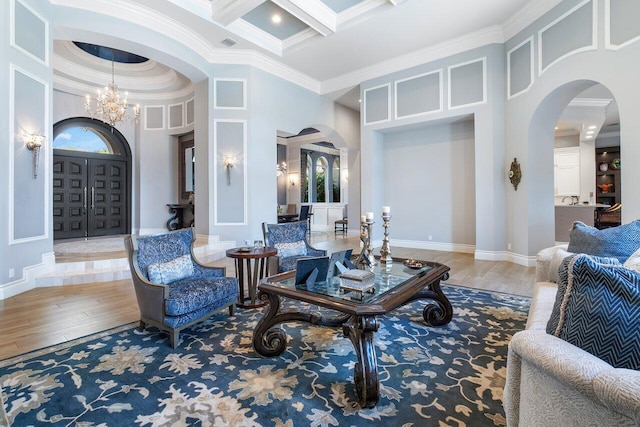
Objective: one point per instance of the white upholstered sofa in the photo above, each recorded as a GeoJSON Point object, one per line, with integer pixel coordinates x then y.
{"type": "Point", "coordinates": [553, 383]}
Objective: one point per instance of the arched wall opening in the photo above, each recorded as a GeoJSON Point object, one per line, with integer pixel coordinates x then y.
{"type": "Point", "coordinates": [540, 162]}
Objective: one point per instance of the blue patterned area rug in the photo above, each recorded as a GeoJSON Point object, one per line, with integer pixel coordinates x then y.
{"type": "Point", "coordinates": [441, 376]}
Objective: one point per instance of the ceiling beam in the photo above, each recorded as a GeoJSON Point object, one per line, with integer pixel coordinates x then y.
{"type": "Point", "coordinates": [224, 12]}
{"type": "Point", "coordinates": [314, 13]}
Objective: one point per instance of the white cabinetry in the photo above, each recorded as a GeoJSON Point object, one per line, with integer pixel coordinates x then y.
{"type": "Point", "coordinates": [566, 171]}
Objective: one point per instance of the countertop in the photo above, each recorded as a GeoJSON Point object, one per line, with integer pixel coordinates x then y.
{"type": "Point", "coordinates": [582, 205]}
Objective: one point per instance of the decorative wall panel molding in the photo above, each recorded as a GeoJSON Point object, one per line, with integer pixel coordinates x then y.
{"type": "Point", "coordinates": [573, 32]}
{"type": "Point", "coordinates": [28, 114]}
{"type": "Point", "coordinates": [154, 117]}
{"type": "Point", "coordinates": [230, 94]}
{"type": "Point", "coordinates": [230, 201]}
{"type": "Point", "coordinates": [29, 32]}
{"type": "Point", "coordinates": [520, 68]}
{"type": "Point", "coordinates": [176, 115]}
{"type": "Point", "coordinates": [467, 83]}
{"type": "Point", "coordinates": [190, 112]}
{"type": "Point", "coordinates": [626, 15]}
{"type": "Point", "coordinates": [418, 95]}
{"type": "Point", "coordinates": [377, 104]}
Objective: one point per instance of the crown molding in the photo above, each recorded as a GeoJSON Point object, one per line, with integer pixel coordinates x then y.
{"type": "Point", "coordinates": [269, 65]}
{"type": "Point", "coordinates": [81, 89]}
{"type": "Point", "coordinates": [589, 102]}
{"type": "Point", "coordinates": [100, 79]}
{"type": "Point", "coordinates": [526, 16]}
{"type": "Point", "coordinates": [451, 47]}
{"type": "Point", "coordinates": [145, 17]}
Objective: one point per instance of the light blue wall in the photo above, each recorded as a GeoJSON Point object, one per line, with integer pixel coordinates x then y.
{"type": "Point", "coordinates": [475, 80]}
{"type": "Point", "coordinates": [26, 241]}
{"type": "Point", "coordinates": [532, 115]}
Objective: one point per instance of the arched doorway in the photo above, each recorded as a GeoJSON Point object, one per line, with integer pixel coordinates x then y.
{"type": "Point", "coordinates": [91, 179]}
{"type": "Point", "coordinates": [543, 198]}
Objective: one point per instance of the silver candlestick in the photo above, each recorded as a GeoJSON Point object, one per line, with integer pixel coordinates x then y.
{"type": "Point", "coordinates": [372, 259]}
{"type": "Point", "coordinates": [385, 250]}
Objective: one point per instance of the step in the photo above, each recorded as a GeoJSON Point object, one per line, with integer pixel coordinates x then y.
{"type": "Point", "coordinates": [107, 270]}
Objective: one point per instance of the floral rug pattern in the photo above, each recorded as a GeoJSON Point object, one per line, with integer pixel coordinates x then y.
{"type": "Point", "coordinates": [442, 376]}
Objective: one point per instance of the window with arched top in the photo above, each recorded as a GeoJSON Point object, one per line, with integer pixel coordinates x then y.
{"type": "Point", "coordinates": [84, 138]}
{"type": "Point", "coordinates": [335, 179]}
{"type": "Point", "coordinates": [321, 181]}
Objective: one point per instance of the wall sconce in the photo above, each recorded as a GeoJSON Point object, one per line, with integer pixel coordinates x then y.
{"type": "Point", "coordinates": [34, 143]}
{"type": "Point", "coordinates": [229, 162]}
{"type": "Point", "coordinates": [293, 179]}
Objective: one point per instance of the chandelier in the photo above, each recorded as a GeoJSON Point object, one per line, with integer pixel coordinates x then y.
{"type": "Point", "coordinates": [281, 168]}
{"type": "Point", "coordinates": [109, 107]}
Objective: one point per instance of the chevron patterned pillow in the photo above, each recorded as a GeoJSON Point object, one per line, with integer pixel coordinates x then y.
{"type": "Point", "coordinates": [600, 311]}
{"type": "Point", "coordinates": [615, 242]}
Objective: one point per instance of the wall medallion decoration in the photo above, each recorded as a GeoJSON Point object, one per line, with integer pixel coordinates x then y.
{"type": "Point", "coordinates": [515, 174]}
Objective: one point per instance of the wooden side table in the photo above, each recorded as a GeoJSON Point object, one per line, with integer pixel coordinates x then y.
{"type": "Point", "coordinates": [257, 267]}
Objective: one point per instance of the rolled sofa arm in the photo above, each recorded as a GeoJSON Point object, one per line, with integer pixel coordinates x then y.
{"type": "Point", "coordinates": [619, 390]}
{"type": "Point", "coordinates": [543, 261]}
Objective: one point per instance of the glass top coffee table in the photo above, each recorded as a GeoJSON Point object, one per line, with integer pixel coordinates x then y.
{"type": "Point", "coordinates": [395, 285]}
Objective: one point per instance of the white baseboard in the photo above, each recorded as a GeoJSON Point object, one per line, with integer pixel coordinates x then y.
{"type": "Point", "coordinates": [151, 231]}
{"type": "Point", "coordinates": [434, 246]}
{"type": "Point", "coordinates": [29, 274]}
{"type": "Point", "coordinates": [526, 261]}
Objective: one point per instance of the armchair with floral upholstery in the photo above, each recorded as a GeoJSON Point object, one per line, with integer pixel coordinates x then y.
{"type": "Point", "coordinates": [290, 239]}
{"type": "Point", "coordinates": [175, 291]}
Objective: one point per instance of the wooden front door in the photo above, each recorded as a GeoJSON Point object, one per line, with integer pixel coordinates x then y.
{"type": "Point", "coordinates": [89, 197]}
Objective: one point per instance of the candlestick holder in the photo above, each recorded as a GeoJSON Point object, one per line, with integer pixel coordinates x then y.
{"type": "Point", "coordinates": [367, 250]}
{"type": "Point", "coordinates": [385, 250]}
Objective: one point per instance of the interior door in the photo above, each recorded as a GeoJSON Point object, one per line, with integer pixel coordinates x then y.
{"type": "Point", "coordinates": [89, 197]}
{"type": "Point", "coordinates": [106, 214]}
{"type": "Point", "coordinates": [69, 197]}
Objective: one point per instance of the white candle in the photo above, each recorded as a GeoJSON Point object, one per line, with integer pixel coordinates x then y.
{"type": "Point", "coordinates": [363, 218]}
{"type": "Point", "coordinates": [369, 216]}
{"type": "Point", "coordinates": [386, 210]}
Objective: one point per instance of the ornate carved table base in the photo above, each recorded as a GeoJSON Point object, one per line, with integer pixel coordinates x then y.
{"type": "Point", "coordinates": [271, 341]}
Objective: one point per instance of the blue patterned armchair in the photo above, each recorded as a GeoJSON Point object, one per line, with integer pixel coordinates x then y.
{"type": "Point", "coordinates": [290, 239]}
{"type": "Point", "coordinates": [173, 289]}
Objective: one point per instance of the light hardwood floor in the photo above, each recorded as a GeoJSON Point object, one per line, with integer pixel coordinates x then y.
{"type": "Point", "coordinates": [46, 316]}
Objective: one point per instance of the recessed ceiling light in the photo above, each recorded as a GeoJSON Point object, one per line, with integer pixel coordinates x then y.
{"type": "Point", "coordinates": [589, 136]}
{"type": "Point", "coordinates": [590, 132]}
{"type": "Point", "coordinates": [592, 127]}
{"type": "Point", "coordinates": [276, 18]}
{"type": "Point", "coordinates": [556, 127]}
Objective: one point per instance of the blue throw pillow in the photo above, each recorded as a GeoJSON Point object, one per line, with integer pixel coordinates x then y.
{"type": "Point", "coordinates": [599, 311]}
{"type": "Point", "coordinates": [615, 242]}
{"type": "Point", "coordinates": [171, 271]}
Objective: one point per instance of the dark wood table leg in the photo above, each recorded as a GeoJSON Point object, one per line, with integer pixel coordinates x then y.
{"type": "Point", "coordinates": [240, 276]}
{"type": "Point", "coordinates": [441, 312]}
{"type": "Point", "coordinates": [360, 331]}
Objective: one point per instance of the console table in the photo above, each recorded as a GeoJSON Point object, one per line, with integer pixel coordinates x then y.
{"type": "Point", "coordinates": [176, 222]}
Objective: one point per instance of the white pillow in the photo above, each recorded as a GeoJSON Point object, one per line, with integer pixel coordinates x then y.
{"type": "Point", "coordinates": [554, 265]}
{"type": "Point", "coordinates": [633, 262]}
{"type": "Point", "coordinates": [170, 271]}
{"type": "Point", "coordinates": [288, 249]}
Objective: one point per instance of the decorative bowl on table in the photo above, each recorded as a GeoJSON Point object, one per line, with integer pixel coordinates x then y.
{"type": "Point", "coordinates": [412, 263]}
{"type": "Point", "coordinates": [244, 249]}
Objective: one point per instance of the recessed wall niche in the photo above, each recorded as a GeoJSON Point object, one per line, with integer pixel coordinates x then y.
{"type": "Point", "coordinates": [573, 32]}
{"type": "Point", "coordinates": [418, 95]}
{"type": "Point", "coordinates": [376, 104]}
{"type": "Point", "coordinates": [189, 116]}
{"type": "Point", "coordinates": [520, 68]}
{"type": "Point", "coordinates": [176, 115]}
{"type": "Point", "coordinates": [29, 32]}
{"type": "Point", "coordinates": [230, 94]}
{"type": "Point", "coordinates": [153, 117]}
{"type": "Point", "coordinates": [626, 15]}
{"type": "Point", "coordinates": [467, 83]}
